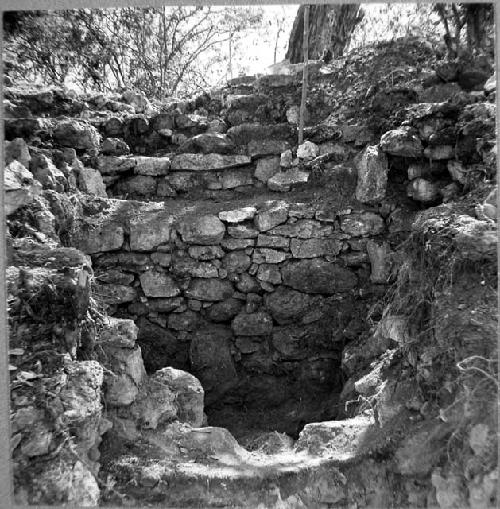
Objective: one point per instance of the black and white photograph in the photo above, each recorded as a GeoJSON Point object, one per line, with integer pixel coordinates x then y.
{"type": "Point", "coordinates": [249, 255]}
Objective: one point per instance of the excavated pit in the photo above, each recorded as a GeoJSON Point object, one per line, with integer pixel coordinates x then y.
{"type": "Point", "coordinates": [239, 294]}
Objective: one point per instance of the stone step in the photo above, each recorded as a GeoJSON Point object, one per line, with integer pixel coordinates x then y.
{"type": "Point", "coordinates": [205, 467]}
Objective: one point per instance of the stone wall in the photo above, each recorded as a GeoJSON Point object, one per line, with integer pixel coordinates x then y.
{"type": "Point", "coordinates": [256, 301]}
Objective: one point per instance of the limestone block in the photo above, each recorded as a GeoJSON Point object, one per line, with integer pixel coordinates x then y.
{"type": "Point", "coordinates": [372, 175]}
{"type": "Point", "coordinates": [149, 230]}
{"type": "Point", "coordinates": [90, 182]}
{"type": "Point", "coordinates": [237, 215]}
{"type": "Point", "coordinates": [271, 215]}
{"type": "Point", "coordinates": [285, 180]}
{"type": "Point", "coordinates": [266, 168]}
{"type": "Point", "coordinates": [366, 223]}
{"type": "Point", "coordinates": [77, 134]}
{"type": "Point", "coordinates": [158, 284]}
{"type": "Point", "coordinates": [266, 255]}
{"type": "Point", "coordinates": [209, 289]}
{"type": "Point", "coordinates": [252, 324]}
{"type": "Point", "coordinates": [313, 248]}
{"type": "Point", "coordinates": [204, 162]}
{"type": "Point", "coordinates": [287, 305]}
{"type": "Point", "coordinates": [203, 230]}
{"type": "Point", "coordinates": [307, 151]}
{"type": "Point", "coordinates": [318, 276]}
{"type": "Point", "coordinates": [225, 310]}
{"type": "Point", "coordinates": [401, 142]}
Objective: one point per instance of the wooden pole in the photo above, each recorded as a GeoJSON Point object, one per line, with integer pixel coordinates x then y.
{"type": "Point", "coordinates": [305, 46]}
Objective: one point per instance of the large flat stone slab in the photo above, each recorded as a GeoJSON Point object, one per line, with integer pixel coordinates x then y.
{"type": "Point", "coordinates": [318, 276]}
{"type": "Point", "coordinates": [202, 230]}
{"type": "Point", "coordinates": [206, 162]}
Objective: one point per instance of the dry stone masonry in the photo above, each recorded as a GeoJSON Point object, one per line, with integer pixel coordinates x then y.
{"type": "Point", "coordinates": [188, 266]}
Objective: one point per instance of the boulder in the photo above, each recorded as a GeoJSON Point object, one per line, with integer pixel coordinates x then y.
{"type": "Point", "coordinates": [285, 180]}
{"type": "Point", "coordinates": [242, 232]}
{"type": "Point", "coordinates": [184, 266]}
{"type": "Point", "coordinates": [266, 255]}
{"type": "Point", "coordinates": [158, 284]}
{"type": "Point", "coordinates": [269, 273]}
{"type": "Point", "coordinates": [247, 284]}
{"type": "Point", "coordinates": [204, 162]}
{"type": "Point", "coordinates": [119, 332]}
{"type": "Point", "coordinates": [20, 188]}
{"type": "Point", "coordinates": [302, 229]}
{"type": "Point", "coordinates": [189, 394]}
{"type": "Point", "coordinates": [267, 147]}
{"type": "Point", "coordinates": [401, 142]}
{"type": "Point", "coordinates": [205, 252]}
{"type": "Point", "coordinates": [138, 100]}
{"type": "Point", "coordinates": [252, 324]}
{"type": "Point", "coordinates": [287, 305]}
{"type": "Point", "coordinates": [236, 262]}
{"type": "Point", "coordinates": [114, 165]}
{"type": "Point", "coordinates": [149, 230]}
{"type": "Point", "coordinates": [341, 438]}
{"type": "Point", "coordinates": [142, 185]}
{"type": "Point", "coordinates": [271, 215]}
{"type": "Point", "coordinates": [225, 310]}
{"type": "Point", "coordinates": [90, 182]}
{"type": "Point", "coordinates": [208, 143]}
{"type": "Point", "coordinates": [17, 150]}
{"type": "Point", "coordinates": [266, 168]}
{"type": "Point", "coordinates": [313, 248]}
{"type": "Point", "coordinates": [372, 175]}
{"type": "Point", "coordinates": [204, 230]}
{"type": "Point", "coordinates": [318, 276]}
{"type": "Point", "coordinates": [155, 404]}
{"type": "Point", "coordinates": [237, 215]}
{"type": "Point", "coordinates": [366, 223]}
{"type": "Point", "coordinates": [307, 151]}
{"type": "Point", "coordinates": [272, 136]}
{"type": "Point", "coordinates": [47, 173]}
{"type": "Point", "coordinates": [232, 179]}
{"type": "Point", "coordinates": [152, 166]}
{"type": "Point", "coordinates": [76, 134]}
{"type": "Point", "coordinates": [162, 122]}
{"type": "Point", "coordinates": [273, 241]}
{"type": "Point", "coordinates": [233, 244]}
{"type": "Point", "coordinates": [129, 372]}
{"type": "Point", "coordinates": [114, 127]}
{"type": "Point", "coordinates": [114, 147]}
{"type": "Point", "coordinates": [104, 237]}
{"type": "Point", "coordinates": [209, 289]}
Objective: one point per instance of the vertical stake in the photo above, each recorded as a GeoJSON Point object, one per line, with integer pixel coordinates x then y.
{"type": "Point", "coordinates": [305, 47]}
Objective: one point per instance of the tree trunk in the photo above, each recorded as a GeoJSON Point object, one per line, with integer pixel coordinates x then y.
{"type": "Point", "coordinates": [330, 29]}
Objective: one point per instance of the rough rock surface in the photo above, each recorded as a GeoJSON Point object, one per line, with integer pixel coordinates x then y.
{"type": "Point", "coordinates": [335, 312]}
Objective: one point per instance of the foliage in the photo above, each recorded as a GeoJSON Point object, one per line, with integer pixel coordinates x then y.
{"type": "Point", "coordinates": [477, 19]}
{"type": "Point", "coordinates": [160, 51]}
{"type": "Point", "coordinates": [384, 22]}
{"type": "Point", "coordinates": [437, 22]}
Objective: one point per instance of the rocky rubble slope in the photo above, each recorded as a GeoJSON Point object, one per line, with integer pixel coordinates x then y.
{"type": "Point", "coordinates": [342, 292]}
